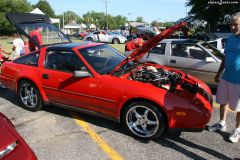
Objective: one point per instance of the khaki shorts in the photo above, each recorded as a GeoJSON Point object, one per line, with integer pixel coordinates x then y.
{"type": "Point", "coordinates": [228, 93]}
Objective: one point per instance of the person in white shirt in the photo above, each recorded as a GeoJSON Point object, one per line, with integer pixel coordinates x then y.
{"type": "Point", "coordinates": [18, 45]}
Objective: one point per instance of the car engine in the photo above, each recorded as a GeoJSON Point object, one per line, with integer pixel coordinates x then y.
{"type": "Point", "coordinates": [166, 79]}
{"type": "Point", "coordinates": [156, 76]}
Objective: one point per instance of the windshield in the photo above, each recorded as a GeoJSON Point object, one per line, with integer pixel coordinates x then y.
{"type": "Point", "coordinates": [49, 34]}
{"type": "Point", "coordinates": [102, 58]}
{"type": "Point", "coordinates": [213, 50]}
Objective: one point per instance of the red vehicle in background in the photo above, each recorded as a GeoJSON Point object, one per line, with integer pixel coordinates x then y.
{"type": "Point", "coordinates": [12, 145]}
{"type": "Point", "coordinates": [147, 98]}
{"type": "Point", "coordinates": [80, 35]}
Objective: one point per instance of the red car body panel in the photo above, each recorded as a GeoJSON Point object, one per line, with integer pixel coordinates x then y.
{"type": "Point", "coordinates": [9, 135]}
{"type": "Point", "coordinates": [107, 94]}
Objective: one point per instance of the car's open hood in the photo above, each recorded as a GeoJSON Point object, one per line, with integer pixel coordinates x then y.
{"type": "Point", "coordinates": [27, 23]}
{"type": "Point", "coordinates": [139, 53]}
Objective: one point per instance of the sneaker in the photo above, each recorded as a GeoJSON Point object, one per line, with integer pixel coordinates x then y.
{"type": "Point", "coordinates": [235, 135]}
{"type": "Point", "coordinates": [217, 127]}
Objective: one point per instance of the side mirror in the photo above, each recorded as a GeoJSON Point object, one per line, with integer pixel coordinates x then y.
{"type": "Point", "coordinates": [210, 60]}
{"type": "Point", "coordinates": [81, 74]}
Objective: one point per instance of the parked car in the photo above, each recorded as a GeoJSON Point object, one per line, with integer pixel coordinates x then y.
{"type": "Point", "coordinates": [12, 145]}
{"type": "Point", "coordinates": [103, 36]}
{"type": "Point", "coordinates": [80, 35]}
{"type": "Point", "coordinates": [195, 58]}
{"type": "Point", "coordinates": [147, 98]}
{"type": "Point", "coordinates": [218, 43]}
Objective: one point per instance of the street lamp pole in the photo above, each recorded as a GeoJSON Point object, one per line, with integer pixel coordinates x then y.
{"type": "Point", "coordinates": [106, 3]}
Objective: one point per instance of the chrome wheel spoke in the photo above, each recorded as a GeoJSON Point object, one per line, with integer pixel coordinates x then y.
{"type": "Point", "coordinates": [146, 113]}
{"type": "Point", "coordinates": [144, 127]}
{"type": "Point", "coordinates": [137, 115]}
{"type": "Point", "coordinates": [149, 122]}
{"type": "Point", "coordinates": [25, 99]}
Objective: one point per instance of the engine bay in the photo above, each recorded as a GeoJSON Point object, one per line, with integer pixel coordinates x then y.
{"type": "Point", "coordinates": [162, 78]}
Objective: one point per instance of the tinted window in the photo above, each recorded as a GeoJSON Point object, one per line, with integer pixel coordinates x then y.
{"type": "Point", "coordinates": [49, 33]}
{"type": "Point", "coordinates": [214, 44]}
{"type": "Point", "coordinates": [102, 58]}
{"type": "Point", "coordinates": [30, 59]}
{"type": "Point", "coordinates": [213, 50]}
{"type": "Point", "coordinates": [188, 51]}
{"type": "Point", "coordinates": [66, 61]}
{"type": "Point", "coordinates": [159, 49]}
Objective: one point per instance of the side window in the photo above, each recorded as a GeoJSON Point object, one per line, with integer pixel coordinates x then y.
{"type": "Point", "coordinates": [188, 51]}
{"type": "Point", "coordinates": [66, 61]}
{"type": "Point", "coordinates": [30, 59]}
{"type": "Point", "coordinates": [214, 44]}
{"type": "Point", "coordinates": [159, 49]}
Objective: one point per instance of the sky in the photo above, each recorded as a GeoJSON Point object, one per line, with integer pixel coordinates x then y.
{"type": "Point", "coordinates": [159, 10]}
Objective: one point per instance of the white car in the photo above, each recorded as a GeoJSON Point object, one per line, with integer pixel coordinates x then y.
{"type": "Point", "coordinates": [218, 43]}
{"type": "Point", "coordinates": [103, 36]}
{"type": "Point", "coordinates": [198, 59]}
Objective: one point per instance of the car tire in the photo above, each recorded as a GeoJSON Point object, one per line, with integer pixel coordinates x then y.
{"type": "Point", "coordinates": [89, 39]}
{"type": "Point", "coordinates": [29, 96]}
{"type": "Point", "coordinates": [143, 120]}
{"type": "Point", "coordinates": [115, 41]}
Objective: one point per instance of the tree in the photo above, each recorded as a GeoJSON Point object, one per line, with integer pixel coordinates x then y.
{"type": "Point", "coordinates": [210, 11]}
{"type": "Point", "coordinates": [139, 19]}
{"type": "Point", "coordinates": [11, 6]}
{"type": "Point", "coordinates": [99, 19]}
{"type": "Point", "coordinates": [44, 6]}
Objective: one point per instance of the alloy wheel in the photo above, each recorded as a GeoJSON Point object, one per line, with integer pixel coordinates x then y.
{"type": "Point", "coordinates": [142, 121]}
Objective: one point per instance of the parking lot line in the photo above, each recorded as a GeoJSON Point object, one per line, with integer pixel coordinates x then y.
{"type": "Point", "coordinates": [105, 147]}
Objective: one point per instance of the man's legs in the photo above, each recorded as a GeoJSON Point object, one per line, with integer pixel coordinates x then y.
{"type": "Point", "coordinates": [223, 112]}
{"type": "Point", "coordinates": [238, 120]}
{"type": "Point", "coordinates": [220, 126]}
{"type": "Point", "coordinates": [235, 135]}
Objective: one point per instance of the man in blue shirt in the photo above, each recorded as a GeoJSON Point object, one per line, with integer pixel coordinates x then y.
{"type": "Point", "coordinates": [228, 92]}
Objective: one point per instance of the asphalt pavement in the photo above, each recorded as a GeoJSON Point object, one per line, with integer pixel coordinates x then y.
{"type": "Point", "coordinates": [58, 134]}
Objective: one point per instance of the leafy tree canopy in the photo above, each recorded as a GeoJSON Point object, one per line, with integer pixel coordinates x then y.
{"type": "Point", "coordinates": [212, 12]}
{"type": "Point", "coordinates": [11, 6]}
{"type": "Point", "coordinates": [139, 19]}
{"type": "Point", "coordinates": [44, 6]}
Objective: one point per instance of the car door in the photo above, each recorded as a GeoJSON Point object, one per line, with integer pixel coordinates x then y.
{"type": "Point", "coordinates": [61, 87]}
{"type": "Point", "coordinates": [103, 36]}
{"type": "Point", "coordinates": [158, 54]}
{"type": "Point", "coordinates": [194, 60]}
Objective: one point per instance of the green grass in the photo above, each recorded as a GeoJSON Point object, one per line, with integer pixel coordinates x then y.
{"type": "Point", "coordinates": [6, 43]}
{"type": "Point", "coordinates": [119, 47]}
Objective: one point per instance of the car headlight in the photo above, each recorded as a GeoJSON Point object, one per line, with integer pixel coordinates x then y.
{"type": "Point", "coordinates": [8, 149]}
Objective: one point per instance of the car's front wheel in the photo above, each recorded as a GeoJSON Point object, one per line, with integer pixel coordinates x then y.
{"type": "Point", "coordinates": [89, 39]}
{"type": "Point", "coordinates": [143, 120]}
{"type": "Point", "coordinates": [116, 41]}
{"type": "Point", "coordinates": [29, 96]}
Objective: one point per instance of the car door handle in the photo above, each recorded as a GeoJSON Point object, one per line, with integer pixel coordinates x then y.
{"type": "Point", "coordinates": [173, 61]}
{"type": "Point", "coordinates": [44, 76]}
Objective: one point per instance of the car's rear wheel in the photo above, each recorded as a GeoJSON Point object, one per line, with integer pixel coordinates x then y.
{"type": "Point", "coordinates": [89, 39]}
{"type": "Point", "coordinates": [115, 41]}
{"type": "Point", "coordinates": [29, 96]}
{"type": "Point", "coordinates": [143, 120]}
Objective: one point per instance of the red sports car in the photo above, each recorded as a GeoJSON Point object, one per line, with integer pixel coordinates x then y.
{"type": "Point", "coordinates": [95, 78]}
{"type": "Point", "coordinates": [12, 145]}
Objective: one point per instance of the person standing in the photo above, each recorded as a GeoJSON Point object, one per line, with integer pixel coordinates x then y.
{"type": "Point", "coordinates": [134, 44]}
{"type": "Point", "coordinates": [37, 37]}
{"type": "Point", "coordinates": [18, 45]}
{"type": "Point", "coordinates": [228, 92]}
